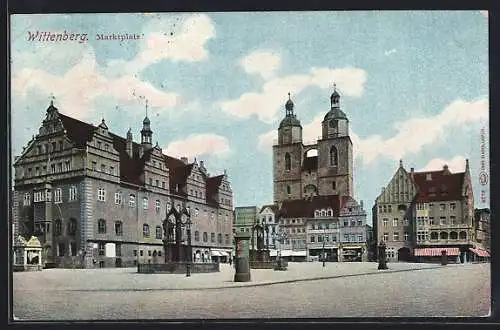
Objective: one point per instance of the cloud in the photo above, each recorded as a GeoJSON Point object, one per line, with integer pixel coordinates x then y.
{"type": "Point", "coordinates": [161, 43]}
{"type": "Point", "coordinates": [456, 164]}
{"type": "Point", "coordinates": [390, 52]}
{"type": "Point", "coordinates": [264, 63]}
{"type": "Point", "coordinates": [408, 138]}
{"type": "Point", "coordinates": [266, 104]}
{"type": "Point", "coordinates": [412, 135]}
{"type": "Point", "coordinates": [76, 90]}
{"type": "Point", "coordinates": [199, 144]}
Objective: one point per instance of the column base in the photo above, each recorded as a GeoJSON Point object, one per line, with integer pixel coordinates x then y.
{"type": "Point", "coordinates": [242, 277]}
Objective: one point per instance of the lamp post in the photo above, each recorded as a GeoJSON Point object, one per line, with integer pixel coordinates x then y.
{"type": "Point", "coordinates": [323, 252]}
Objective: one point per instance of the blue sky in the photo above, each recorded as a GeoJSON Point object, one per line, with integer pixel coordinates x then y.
{"type": "Point", "coordinates": [414, 85]}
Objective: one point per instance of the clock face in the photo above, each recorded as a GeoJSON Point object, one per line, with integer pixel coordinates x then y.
{"type": "Point", "coordinates": [333, 123]}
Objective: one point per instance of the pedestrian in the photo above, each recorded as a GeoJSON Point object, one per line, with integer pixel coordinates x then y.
{"type": "Point", "coordinates": [230, 261]}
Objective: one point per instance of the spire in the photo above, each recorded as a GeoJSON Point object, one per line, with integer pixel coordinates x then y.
{"type": "Point", "coordinates": [289, 106]}
{"type": "Point", "coordinates": [334, 98]}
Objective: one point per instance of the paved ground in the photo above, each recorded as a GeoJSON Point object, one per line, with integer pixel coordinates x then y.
{"type": "Point", "coordinates": [306, 290]}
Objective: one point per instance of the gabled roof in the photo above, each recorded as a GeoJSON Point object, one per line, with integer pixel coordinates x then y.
{"type": "Point", "coordinates": [213, 184]}
{"type": "Point", "coordinates": [77, 131]}
{"type": "Point", "coordinates": [442, 186]}
{"type": "Point", "coordinates": [304, 208]}
{"type": "Point", "coordinates": [273, 207]}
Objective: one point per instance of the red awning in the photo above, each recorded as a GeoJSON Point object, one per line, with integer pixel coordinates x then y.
{"type": "Point", "coordinates": [480, 252]}
{"type": "Point", "coordinates": [435, 252]}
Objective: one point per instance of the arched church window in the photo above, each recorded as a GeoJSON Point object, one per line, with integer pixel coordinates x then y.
{"type": "Point", "coordinates": [288, 162]}
{"type": "Point", "coordinates": [333, 156]}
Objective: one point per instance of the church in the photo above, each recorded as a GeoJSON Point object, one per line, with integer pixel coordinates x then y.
{"type": "Point", "coordinates": [313, 188]}
{"type": "Point", "coordinates": [95, 199]}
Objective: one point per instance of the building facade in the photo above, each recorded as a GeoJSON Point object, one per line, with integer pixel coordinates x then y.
{"type": "Point", "coordinates": [437, 215]}
{"type": "Point", "coordinates": [95, 199]}
{"type": "Point", "coordinates": [483, 228]}
{"type": "Point", "coordinates": [268, 219]}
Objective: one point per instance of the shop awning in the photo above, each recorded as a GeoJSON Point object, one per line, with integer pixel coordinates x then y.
{"type": "Point", "coordinates": [480, 252]}
{"type": "Point", "coordinates": [299, 253]}
{"type": "Point", "coordinates": [435, 252]}
{"type": "Point", "coordinates": [216, 253]}
{"type": "Point", "coordinates": [286, 253]}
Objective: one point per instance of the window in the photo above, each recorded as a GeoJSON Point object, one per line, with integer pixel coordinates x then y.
{"type": "Point", "coordinates": [145, 230]}
{"type": "Point", "coordinates": [212, 237]}
{"type": "Point", "coordinates": [334, 185]}
{"type": "Point", "coordinates": [385, 221]}
{"type": "Point", "coordinates": [395, 222]}
{"type": "Point", "coordinates": [73, 248]}
{"type": "Point", "coordinates": [119, 228]}
{"type": "Point", "coordinates": [118, 250]}
{"type": "Point", "coordinates": [197, 236]}
{"type": "Point", "coordinates": [141, 253]}
{"type": "Point", "coordinates": [346, 237]}
{"type": "Point", "coordinates": [434, 235]}
{"type": "Point", "coordinates": [452, 220]}
{"type": "Point", "coordinates": [58, 195]}
{"type": "Point", "coordinates": [380, 208]}
{"type": "Point", "coordinates": [333, 156]}
{"type": "Point", "coordinates": [389, 208]}
{"type": "Point", "coordinates": [101, 226]}
{"type": "Point", "coordinates": [118, 198]}
{"type": "Point", "coordinates": [94, 166]}
{"type": "Point", "coordinates": [72, 227]}
{"type": "Point", "coordinates": [395, 236]}
{"type": "Point", "coordinates": [131, 200]}
{"type": "Point", "coordinates": [57, 227]}
{"type": "Point", "coordinates": [72, 193]}
{"type": "Point", "coordinates": [227, 238]}
{"type": "Point", "coordinates": [159, 233]}
{"type": "Point", "coordinates": [27, 199]}
{"type": "Point", "coordinates": [111, 170]}
{"type": "Point", "coordinates": [101, 194]}
{"type": "Point", "coordinates": [442, 220]}
{"type": "Point", "coordinates": [360, 238]}
{"type": "Point", "coordinates": [135, 253]}
{"type": "Point", "coordinates": [163, 184]}
{"type": "Point", "coordinates": [157, 206]}
{"type": "Point", "coordinates": [37, 171]}
{"type": "Point", "coordinates": [149, 253]}
{"type": "Point", "coordinates": [313, 239]}
{"type": "Point", "coordinates": [219, 238]}
{"type": "Point", "coordinates": [205, 237]}
{"type": "Point", "coordinates": [288, 190]}
{"type": "Point", "coordinates": [102, 249]}
{"type": "Point", "coordinates": [59, 167]}
{"type": "Point", "coordinates": [406, 236]}
{"type": "Point", "coordinates": [157, 183]}
{"type": "Point", "coordinates": [103, 168]}
{"type": "Point", "coordinates": [52, 168]}
{"type": "Point", "coordinates": [150, 181]}
{"type": "Point", "coordinates": [61, 249]}
{"type": "Point", "coordinates": [386, 237]}
{"type": "Point", "coordinates": [288, 162]}
{"type": "Point", "coordinates": [48, 195]}
{"type": "Point", "coordinates": [442, 207]}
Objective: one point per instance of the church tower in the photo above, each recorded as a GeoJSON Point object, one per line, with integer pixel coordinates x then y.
{"type": "Point", "coordinates": [335, 152]}
{"type": "Point", "coordinates": [287, 156]}
{"type": "Point", "coordinates": [146, 132]}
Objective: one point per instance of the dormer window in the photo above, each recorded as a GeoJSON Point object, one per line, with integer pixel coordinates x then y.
{"type": "Point", "coordinates": [99, 144]}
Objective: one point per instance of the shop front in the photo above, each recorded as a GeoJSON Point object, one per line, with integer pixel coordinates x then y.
{"type": "Point", "coordinates": [352, 253]}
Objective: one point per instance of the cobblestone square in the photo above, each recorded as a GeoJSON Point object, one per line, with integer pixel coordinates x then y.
{"type": "Point", "coordinates": [305, 290]}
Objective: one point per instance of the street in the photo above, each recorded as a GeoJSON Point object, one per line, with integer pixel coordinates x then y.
{"type": "Point", "coordinates": [453, 290]}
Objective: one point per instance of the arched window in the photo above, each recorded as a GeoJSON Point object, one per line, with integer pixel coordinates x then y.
{"type": "Point", "coordinates": [444, 235]}
{"type": "Point", "coordinates": [288, 162]}
{"type": "Point", "coordinates": [434, 235]}
{"type": "Point", "coordinates": [58, 227]}
{"type": "Point", "coordinates": [205, 237]}
{"type": "Point", "coordinates": [333, 156]}
{"type": "Point", "coordinates": [145, 230]}
{"type": "Point", "coordinates": [196, 236]}
{"type": "Point", "coordinates": [101, 226]}
{"type": "Point", "coordinates": [463, 235]}
{"type": "Point", "coordinates": [72, 227]}
{"type": "Point", "coordinates": [288, 190]}
{"type": "Point", "coordinates": [453, 235]}
{"type": "Point", "coordinates": [219, 238]}
{"type": "Point", "coordinates": [118, 228]}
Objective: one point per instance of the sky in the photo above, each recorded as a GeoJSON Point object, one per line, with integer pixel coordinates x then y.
{"type": "Point", "coordinates": [413, 84]}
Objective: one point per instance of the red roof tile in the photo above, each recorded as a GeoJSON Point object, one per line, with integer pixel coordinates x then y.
{"type": "Point", "coordinates": [441, 186]}
{"type": "Point", "coordinates": [304, 208]}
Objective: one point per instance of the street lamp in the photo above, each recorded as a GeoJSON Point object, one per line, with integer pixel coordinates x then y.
{"type": "Point", "coordinates": [186, 221]}
{"type": "Point", "coordinates": [323, 253]}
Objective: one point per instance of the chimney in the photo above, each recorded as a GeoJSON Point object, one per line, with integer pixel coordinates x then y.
{"type": "Point", "coordinates": [412, 170]}
{"type": "Point", "coordinates": [129, 148]}
{"type": "Point", "coordinates": [184, 160]}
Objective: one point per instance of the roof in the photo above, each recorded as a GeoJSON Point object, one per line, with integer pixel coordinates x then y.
{"type": "Point", "coordinates": [131, 168]}
{"type": "Point", "coordinates": [335, 113]}
{"type": "Point", "coordinates": [304, 208]}
{"type": "Point", "coordinates": [310, 163]}
{"type": "Point", "coordinates": [442, 186]}
{"type": "Point", "coordinates": [273, 207]}
{"type": "Point", "coordinates": [290, 120]}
